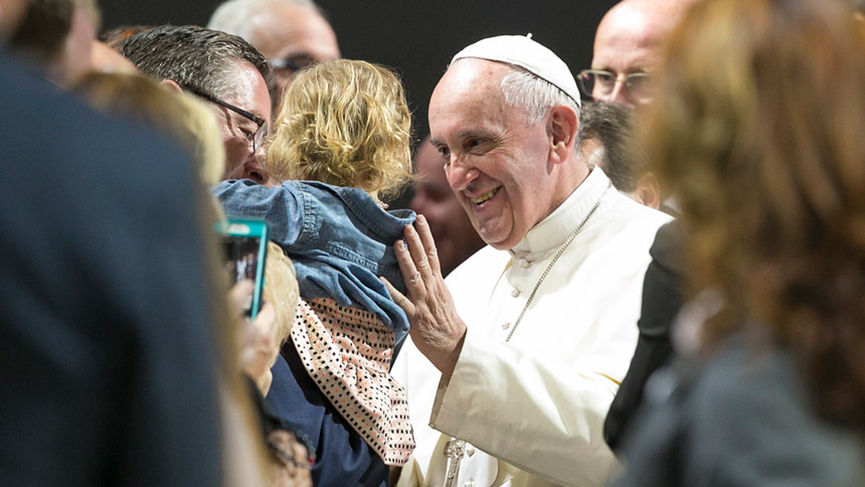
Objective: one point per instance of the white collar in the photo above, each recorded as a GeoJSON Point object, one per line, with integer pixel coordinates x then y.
{"type": "Point", "coordinates": [553, 230]}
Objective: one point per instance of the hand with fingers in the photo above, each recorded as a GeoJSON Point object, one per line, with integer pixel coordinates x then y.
{"type": "Point", "coordinates": [258, 338]}
{"type": "Point", "coordinates": [436, 328]}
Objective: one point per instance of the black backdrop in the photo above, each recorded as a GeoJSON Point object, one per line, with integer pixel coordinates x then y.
{"type": "Point", "coordinates": [415, 38]}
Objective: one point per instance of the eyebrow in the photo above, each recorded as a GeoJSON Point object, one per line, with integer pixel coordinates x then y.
{"type": "Point", "coordinates": [479, 133]}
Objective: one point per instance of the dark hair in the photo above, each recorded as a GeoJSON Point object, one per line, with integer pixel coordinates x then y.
{"type": "Point", "coordinates": [42, 32]}
{"type": "Point", "coordinates": [612, 125]}
{"type": "Point", "coordinates": [196, 57]}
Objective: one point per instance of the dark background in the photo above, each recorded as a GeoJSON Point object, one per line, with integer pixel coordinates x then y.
{"type": "Point", "coordinates": [416, 38]}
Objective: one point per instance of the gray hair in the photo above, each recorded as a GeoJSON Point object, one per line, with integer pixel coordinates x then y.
{"type": "Point", "coordinates": [235, 16]}
{"type": "Point", "coordinates": [202, 59]}
{"type": "Point", "coordinates": [537, 96]}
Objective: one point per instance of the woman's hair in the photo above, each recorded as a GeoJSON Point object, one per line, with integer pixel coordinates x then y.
{"type": "Point", "coordinates": [344, 123]}
{"type": "Point", "coordinates": [178, 117]}
{"type": "Point", "coordinates": [758, 126]}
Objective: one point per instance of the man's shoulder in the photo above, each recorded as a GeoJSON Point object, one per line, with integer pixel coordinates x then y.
{"type": "Point", "coordinates": [631, 211]}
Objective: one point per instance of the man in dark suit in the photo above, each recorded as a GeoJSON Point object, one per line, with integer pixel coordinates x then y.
{"type": "Point", "coordinates": [109, 373]}
{"type": "Point", "coordinates": [627, 47]}
{"type": "Point", "coordinates": [662, 299]}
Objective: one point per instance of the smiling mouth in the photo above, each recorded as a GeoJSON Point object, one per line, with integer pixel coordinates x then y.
{"type": "Point", "coordinates": [480, 199]}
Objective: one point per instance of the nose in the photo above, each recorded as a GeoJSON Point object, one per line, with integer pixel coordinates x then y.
{"type": "Point", "coordinates": [255, 167]}
{"type": "Point", "coordinates": [619, 94]}
{"type": "Point", "coordinates": [459, 174]}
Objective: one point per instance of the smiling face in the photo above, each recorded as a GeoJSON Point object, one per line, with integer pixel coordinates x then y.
{"type": "Point", "coordinates": [249, 92]}
{"type": "Point", "coordinates": [452, 230]}
{"type": "Point", "coordinates": [496, 163]}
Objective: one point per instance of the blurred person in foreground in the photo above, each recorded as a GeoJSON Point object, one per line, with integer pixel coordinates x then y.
{"type": "Point", "coordinates": [761, 138]}
{"type": "Point", "coordinates": [55, 36]}
{"type": "Point", "coordinates": [292, 34]}
{"type": "Point", "coordinates": [456, 239]}
{"type": "Point", "coordinates": [112, 372]}
{"type": "Point", "coordinates": [221, 69]}
{"type": "Point", "coordinates": [520, 351]}
{"type": "Point", "coordinates": [107, 60]}
{"type": "Point", "coordinates": [340, 142]}
{"type": "Point", "coordinates": [188, 121]}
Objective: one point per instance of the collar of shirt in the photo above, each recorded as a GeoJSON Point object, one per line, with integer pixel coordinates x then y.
{"type": "Point", "coordinates": [552, 231]}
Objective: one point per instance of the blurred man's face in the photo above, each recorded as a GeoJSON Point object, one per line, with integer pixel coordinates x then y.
{"type": "Point", "coordinates": [455, 238]}
{"type": "Point", "coordinates": [626, 43]}
{"type": "Point", "coordinates": [629, 41]}
{"type": "Point", "coordinates": [77, 49]}
{"type": "Point", "coordinates": [249, 93]}
{"type": "Point", "coordinates": [292, 37]}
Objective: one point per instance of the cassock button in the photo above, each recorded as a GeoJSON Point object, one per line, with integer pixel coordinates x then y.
{"type": "Point", "coordinates": [469, 484]}
{"type": "Point", "coordinates": [515, 292]}
{"type": "Point", "coordinates": [505, 326]}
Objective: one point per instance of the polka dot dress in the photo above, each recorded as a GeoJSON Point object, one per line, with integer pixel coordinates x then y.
{"type": "Point", "coordinates": [348, 351]}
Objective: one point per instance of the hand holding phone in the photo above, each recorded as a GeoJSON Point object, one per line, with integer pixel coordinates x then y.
{"type": "Point", "coordinates": [245, 243]}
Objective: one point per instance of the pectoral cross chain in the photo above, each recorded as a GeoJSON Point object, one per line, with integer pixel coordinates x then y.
{"type": "Point", "coordinates": [455, 450]}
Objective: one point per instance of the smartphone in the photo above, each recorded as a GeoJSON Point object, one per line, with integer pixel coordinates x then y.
{"type": "Point", "coordinates": [245, 243]}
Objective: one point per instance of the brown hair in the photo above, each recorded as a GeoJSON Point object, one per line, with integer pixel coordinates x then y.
{"type": "Point", "coordinates": [758, 126]}
{"type": "Point", "coordinates": [344, 123]}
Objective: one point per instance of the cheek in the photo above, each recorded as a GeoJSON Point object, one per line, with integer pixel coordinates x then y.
{"type": "Point", "coordinates": [235, 153]}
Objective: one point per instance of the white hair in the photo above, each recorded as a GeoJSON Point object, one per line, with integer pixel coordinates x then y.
{"type": "Point", "coordinates": [536, 95]}
{"type": "Point", "coordinates": [235, 16]}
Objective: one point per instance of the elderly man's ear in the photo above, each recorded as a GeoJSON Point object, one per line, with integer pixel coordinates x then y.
{"type": "Point", "coordinates": [562, 131]}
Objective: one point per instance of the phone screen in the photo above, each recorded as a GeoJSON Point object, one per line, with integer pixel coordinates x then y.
{"type": "Point", "coordinates": [242, 254]}
{"type": "Point", "coordinates": [245, 243]}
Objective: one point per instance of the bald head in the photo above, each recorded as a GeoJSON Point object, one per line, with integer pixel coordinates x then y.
{"type": "Point", "coordinates": [629, 40]}
{"type": "Point", "coordinates": [290, 33]}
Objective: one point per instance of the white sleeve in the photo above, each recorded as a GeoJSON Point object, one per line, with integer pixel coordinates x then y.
{"type": "Point", "coordinates": [556, 410]}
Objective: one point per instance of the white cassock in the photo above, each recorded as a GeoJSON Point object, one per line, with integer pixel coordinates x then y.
{"type": "Point", "coordinates": [532, 409]}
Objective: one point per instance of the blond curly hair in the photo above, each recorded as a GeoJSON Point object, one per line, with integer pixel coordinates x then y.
{"type": "Point", "coordinates": [344, 123]}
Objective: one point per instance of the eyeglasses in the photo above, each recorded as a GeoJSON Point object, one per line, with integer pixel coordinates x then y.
{"type": "Point", "coordinates": [256, 139]}
{"type": "Point", "coordinates": [597, 82]}
{"type": "Point", "coordinates": [293, 64]}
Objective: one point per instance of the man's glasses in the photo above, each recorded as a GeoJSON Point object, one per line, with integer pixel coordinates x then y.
{"type": "Point", "coordinates": [597, 82]}
{"type": "Point", "coordinates": [293, 64]}
{"type": "Point", "coordinates": [256, 139]}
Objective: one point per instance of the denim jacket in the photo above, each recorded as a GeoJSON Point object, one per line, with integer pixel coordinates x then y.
{"type": "Point", "coordinates": [339, 239]}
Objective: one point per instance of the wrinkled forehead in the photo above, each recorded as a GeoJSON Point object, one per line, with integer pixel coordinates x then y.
{"type": "Point", "coordinates": [470, 79]}
{"type": "Point", "coordinates": [247, 90]}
